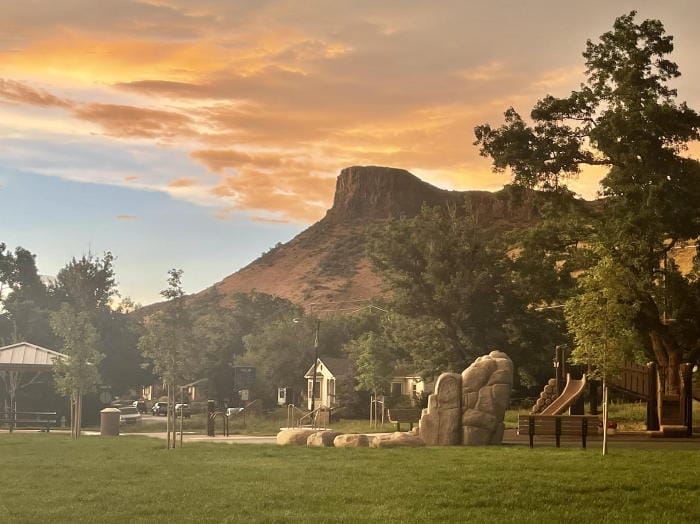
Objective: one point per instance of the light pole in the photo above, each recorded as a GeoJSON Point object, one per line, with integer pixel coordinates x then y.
{"type": "Point", "coordinates": [350, 310]}
{"type": "Point", "coordinates": [604, 302]}
{"type": "Point", "coordinates": [313, 375]}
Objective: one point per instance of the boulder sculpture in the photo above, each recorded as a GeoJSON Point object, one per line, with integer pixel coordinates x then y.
{"type": "Point", "coordinates": [468, 409]}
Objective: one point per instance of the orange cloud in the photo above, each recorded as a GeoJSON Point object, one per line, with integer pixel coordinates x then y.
{"type": "Point", "coordinates": [268, 220]}
{"type": "Point", "coordinates": [23, 94]}
{"type": "Point", "coordinates": [84, 58]}
{"type": "Point", "coordinates": [131, 178]}
{"type": "Point", "coordinates": [127, 217]}
{"type": "Point", "coordinates": [182, 182]}
{"type": "Point", "coordinates": [130, 121]}
{"type": "Point", "coordinates": [300, 197]}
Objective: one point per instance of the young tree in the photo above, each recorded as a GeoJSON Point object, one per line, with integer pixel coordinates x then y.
{"type": "Point", "coordinates": [374, 362]}
{"type": "Point", "coordinates": [77, 374]}
{"type": "Point", "coordinates": [169, 343]}
{"type": "Point", "coordinates": [624, 117]}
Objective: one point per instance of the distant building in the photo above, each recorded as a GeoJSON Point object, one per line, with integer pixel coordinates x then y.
{"type": "Point", "coordinates": [329, 371]}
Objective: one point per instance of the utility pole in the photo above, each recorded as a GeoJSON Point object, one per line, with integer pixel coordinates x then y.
{"type": "Point", "coordinates": [313, 379]}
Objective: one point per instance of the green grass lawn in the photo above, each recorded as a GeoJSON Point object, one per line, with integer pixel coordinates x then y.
{"type": "Point", "coordinates": [49, 478]}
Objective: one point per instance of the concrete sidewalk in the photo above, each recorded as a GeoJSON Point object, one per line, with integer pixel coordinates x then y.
{"type": "Point", "coordinates": [231, 439]}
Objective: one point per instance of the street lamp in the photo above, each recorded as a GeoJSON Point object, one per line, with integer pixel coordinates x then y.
{"type": "Point", "coordinates": [313, 375]}
{"type": "Point", "coordinates": [350, 311]}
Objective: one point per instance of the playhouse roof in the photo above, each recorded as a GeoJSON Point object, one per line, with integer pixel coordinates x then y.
{"type": "Point", "coordinates": [338, 367]}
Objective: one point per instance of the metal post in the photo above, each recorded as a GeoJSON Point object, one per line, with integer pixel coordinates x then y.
{"type": "Point", "coordinates": [652, 397]}
{"type": "Point", "coordinates": [686, 399]}
{"type": "Point", "coordinates": [559, 358]}
{"type": "Point", "coordinates": [182, 410]}
{"type": "Point", "coordinates": [313, 379]}
{"type": "Point", "coordinates": [605, 417]}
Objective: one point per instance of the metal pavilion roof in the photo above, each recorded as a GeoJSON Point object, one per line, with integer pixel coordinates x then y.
{"type": "Point", "coordinates": [24, 356]}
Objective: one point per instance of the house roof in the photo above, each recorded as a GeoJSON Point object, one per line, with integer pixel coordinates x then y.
{"type": "Point", "coordinates": [24, 356]}
{"type": "Point", "coordinates": [337, 366]}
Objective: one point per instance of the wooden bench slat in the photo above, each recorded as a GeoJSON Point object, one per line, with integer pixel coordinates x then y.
{"type": "Point", "coordinates": [558, 426]}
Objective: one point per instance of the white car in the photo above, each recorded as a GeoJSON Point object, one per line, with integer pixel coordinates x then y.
{"type": "Point", "coordinates": [129, 415]}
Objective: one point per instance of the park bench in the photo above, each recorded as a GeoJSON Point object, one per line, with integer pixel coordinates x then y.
{"type": "Point", "coordinates": [558, 426]}
{"type": "Point", "coordinates": [28, 420]}
{"type": "Point", "coordinates": [404, 415]}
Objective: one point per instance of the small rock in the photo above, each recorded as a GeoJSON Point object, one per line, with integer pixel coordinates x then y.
{"type": "Point", "coordinates": [351, 440]}
{"type": "Point", "coordinates": [294, 437]}
{"type": "Point", "coordinates": [322, 439]}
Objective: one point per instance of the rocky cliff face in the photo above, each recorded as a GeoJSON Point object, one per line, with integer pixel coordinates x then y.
{"type": "Point", "coordinates": [326, 262]}
{"type": "Point", "coordinates": [371, 192]}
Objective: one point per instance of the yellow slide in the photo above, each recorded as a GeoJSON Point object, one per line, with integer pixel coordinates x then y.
{"type": "Point", "coordinates": [573, 390]}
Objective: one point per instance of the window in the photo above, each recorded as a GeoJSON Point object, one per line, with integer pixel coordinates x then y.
{"type": "Point", "coordinates": [330, 388]}
{"type": "Point", "coordinates": [396, 389]}
{"type": "Point", "coordinates": [317, 390]}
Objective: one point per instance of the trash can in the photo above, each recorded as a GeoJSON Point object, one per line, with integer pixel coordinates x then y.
{"type": "Point", "coordinates": [109, 422]}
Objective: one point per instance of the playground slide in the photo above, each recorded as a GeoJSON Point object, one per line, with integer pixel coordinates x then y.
{"type": "Point", "coordinates": [571, 392]}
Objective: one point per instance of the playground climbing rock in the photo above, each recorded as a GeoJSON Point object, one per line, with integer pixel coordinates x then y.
{"type": "Point", "coordinates": [469, 409]}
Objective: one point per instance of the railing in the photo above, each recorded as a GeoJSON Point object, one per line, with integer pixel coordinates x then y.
{"type": "Point", "coordinates": [291, 411]}
{"type": "Point", "coordinates": [312, 417]}
{"type": "Point", "coordinates": [635, 380]}
{"type": "Point", "coordinates": [211, 426]}
{"type": "Point", "coordinates": [376, 412]}
{"type": "Point", "coordinates": [15, 419]}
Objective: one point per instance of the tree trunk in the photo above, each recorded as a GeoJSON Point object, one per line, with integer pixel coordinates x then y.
{"type": "Point", "coordinates": [668, 356]}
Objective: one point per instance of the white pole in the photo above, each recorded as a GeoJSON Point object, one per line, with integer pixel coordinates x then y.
{"type": "Point", "coordinates": [605, 417]}
{"type": "Point", "coordinates": [167, 416]}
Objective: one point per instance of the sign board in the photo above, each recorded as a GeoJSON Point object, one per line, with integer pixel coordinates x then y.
{"type": "Point", "coordinates": [243, 377]}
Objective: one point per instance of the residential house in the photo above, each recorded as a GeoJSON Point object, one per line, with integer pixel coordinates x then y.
{"type": "Point", "coordinates": [329, 371]}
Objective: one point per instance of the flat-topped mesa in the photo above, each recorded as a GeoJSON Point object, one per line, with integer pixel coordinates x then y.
{"type": "Point", "coordinates": [371, 192]}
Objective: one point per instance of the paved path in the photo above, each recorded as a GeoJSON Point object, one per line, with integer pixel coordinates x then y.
{"type": "Point", "coordinates": [232, 439]}
{"type": "Point", "coordinates": [633, 440]}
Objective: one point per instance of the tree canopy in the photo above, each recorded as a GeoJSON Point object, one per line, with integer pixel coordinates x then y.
{"type": "Point", "coordinates": [624, 117]}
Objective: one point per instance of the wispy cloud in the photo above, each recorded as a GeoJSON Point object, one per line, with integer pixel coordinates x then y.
{"type": "Point", "coordinates": [182, 182]}
{"type": "Point", "coordinates": [262, 103]}
{"type": "Point", "coordinates": [127, 217]}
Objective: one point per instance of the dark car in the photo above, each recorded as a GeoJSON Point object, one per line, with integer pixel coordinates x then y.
{"type": "Point", "coordinates": [160, 408]}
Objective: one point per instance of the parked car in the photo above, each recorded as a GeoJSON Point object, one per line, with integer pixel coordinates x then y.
{"type": "Point", "coordinates": [141, 406]}
{"type": "Point", "coordinates": [232, 412]}
{"type": "Point", "coordinates": [129, 415]}
{"type": "Point", "coordinates": [160, 408]}
{"type": "Point", "coordinates": [183, 410]}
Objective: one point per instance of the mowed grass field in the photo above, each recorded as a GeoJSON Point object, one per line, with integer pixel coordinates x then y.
{"type": "Point", "coordinates": [50, 478]}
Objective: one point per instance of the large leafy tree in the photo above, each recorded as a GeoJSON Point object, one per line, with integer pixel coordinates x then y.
{"type": "Point", "coordinates": [453, 292]}
{"type": "Point", "coordinates": [25, 303]}
{"type": "Point", "coordinates": [624, 117]}
{"type": "Point", "coordinates": [89, 285]}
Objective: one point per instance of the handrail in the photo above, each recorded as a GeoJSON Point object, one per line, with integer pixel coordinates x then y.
{"type": "Point", "coordinates": [224, 418]}
{"type": "Point", "coordinates": [312, 416]}
{"type": "Point", "coordinates": [291, 408]}
{"type": "Point", "coordinates": [376, 404]}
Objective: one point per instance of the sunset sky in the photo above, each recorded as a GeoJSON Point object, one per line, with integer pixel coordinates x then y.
{"type": "Point", "coordinates": [197, 134]}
